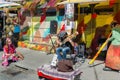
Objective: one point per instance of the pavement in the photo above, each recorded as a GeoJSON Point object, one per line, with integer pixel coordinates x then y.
{"type": "Point", "coordinates": [33, 59]}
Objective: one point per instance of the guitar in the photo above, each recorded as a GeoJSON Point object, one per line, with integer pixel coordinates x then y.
{"type": "Point", "coordinates": [68, 39]}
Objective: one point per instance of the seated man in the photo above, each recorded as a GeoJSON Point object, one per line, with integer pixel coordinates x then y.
{"type": "Point", "coordinates": [64, 45]}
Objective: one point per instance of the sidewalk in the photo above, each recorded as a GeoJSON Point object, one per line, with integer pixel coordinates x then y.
{"type": "Point", "coordinates": [34, 59]}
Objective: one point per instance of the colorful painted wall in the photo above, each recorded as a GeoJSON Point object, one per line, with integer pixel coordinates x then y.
{"type": "Point", "coordinates": [100, 21]}
{"type": "Point", "coordinates": [36, 34]}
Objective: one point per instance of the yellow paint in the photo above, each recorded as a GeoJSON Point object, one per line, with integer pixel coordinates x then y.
{"type": "Point", "coordinates": [103, 19]}
{"type": "Point", "coordinates": [109, 19]}
{"type": "Point", "coordinates": [100, 21]}
{"type": "Point", "coordinates": [87, 18]}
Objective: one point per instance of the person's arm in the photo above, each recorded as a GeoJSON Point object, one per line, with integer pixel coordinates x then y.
{"type": "Point", "coordinates": [72, 43]}
{"type": "Point", "coordinates": [6, 51]}
{"type": "Point", "coordinates": [111, 38]}
{"type": "Point", "coordinates": [58, 43]}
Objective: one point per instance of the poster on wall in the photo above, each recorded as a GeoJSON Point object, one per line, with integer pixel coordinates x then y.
{"type": "Point", "coordinates": [69, 25]}
{"type": "Point", "coordinates": [69, 11]}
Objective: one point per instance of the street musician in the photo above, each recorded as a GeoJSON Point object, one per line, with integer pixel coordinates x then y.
{"type": "Point", "coordinates": [64, 45]}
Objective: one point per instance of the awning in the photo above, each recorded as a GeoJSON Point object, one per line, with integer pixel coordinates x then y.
{"type": "Point", "coordinates": [16, 0]}
{"type": "Point", "coordinates": [10, 5]}
{"type": "Point", "coordinates": [82, 1]}
{"type": "Point", "coordinates": [85, 3]}
{"type": "Point", "coordinates": [7, 4]}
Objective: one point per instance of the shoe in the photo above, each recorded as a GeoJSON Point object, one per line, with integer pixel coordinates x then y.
{"type": "Point", "coordinates": [5, 63]}
{"type": "Point", "coordinates": [14, 59]}
{"type": "Point", "coordinates": [107, 69]}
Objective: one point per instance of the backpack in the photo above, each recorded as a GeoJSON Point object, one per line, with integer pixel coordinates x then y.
{"type": "Point", "coordinates": [65, 66]}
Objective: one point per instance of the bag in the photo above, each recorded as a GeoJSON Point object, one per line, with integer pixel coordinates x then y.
{"type": "Point", "coordinates": [65, 66]}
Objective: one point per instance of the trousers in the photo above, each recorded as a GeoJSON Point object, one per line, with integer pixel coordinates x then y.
{"type": "Point", "coordinates": [63, 50]}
